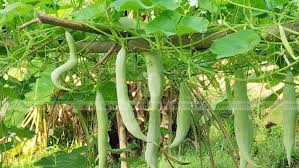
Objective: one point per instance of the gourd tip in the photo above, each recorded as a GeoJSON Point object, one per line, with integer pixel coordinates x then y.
{"type": "Point", "coordinates": [289, 158]}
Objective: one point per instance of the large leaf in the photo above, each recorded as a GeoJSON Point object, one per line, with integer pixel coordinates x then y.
{"type": "Point", "coordinates": [129, 23]}
{"type": "Point", "coordinates": [121, 5]}
{"type": "Point", "coordinates": [15, 89]}
{"type": "Point", "coordinates": [77, 98]}
{"type": "Point", "coordinates": [48, 5]}
{"type": "Point", "coordinates": [165, 23]}
{"type": "Point", "coordinates": [41, 89]}
{"type": "Point", "coordinates": [13, 130]}
{"type": "Point", "coordinates": [108, 90]}
{"type": "Point", "coordinates": [192, 24]}
{"type": "Point", "coordinates": [258, 4]}
{"type": "Point", "coordinates": [236, 43]}
{"type": "Point", "coordinates": [90, 12]}
{"type": "Point", "coordinates": [15, 112]}
{"type": "Point", "coordinates": [13, 10]}
{"type": "Point", "coordinates": [11, 93]}
{"type": "Point", "coordinates": [74, 159]}
{"type": "Point", "coordinates": [271, 4]}
{"type": "Point", "coordinates": [167, 4]}
{"type": "Point", "coordinates": [210, 6]}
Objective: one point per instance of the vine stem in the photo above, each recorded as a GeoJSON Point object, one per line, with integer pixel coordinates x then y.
{"type": "Point", "coordinates": [210, 114]}
{"type": "Point", "coordinates": [262, 77]}
{"type": "Point", "coordinates": [258, 9]}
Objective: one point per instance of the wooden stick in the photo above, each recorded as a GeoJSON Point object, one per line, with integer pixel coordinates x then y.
{"type": "Point", "coordinates": [122, 137]}
{"type": "Point", "coordinates": [33, 21]}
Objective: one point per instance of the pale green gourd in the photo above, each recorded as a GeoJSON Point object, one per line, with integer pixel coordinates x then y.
{"type": "Point", "coordinates": [124, 103]}
{"type": "Point", "coordinates": [242, 119]}
{"type": "Point", "coordinates": [289, 115]}
{"type": "Point", "coordinates": [155, 86]}
{"type": "Point", "coordinates": [102, 118]}
{"type": "Point", "coordinates": [183, 120]}
{"type": "Point", "coordinates": [71, 62]}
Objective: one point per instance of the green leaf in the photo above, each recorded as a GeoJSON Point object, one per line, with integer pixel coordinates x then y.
{"type": "Point", "coordinates": [129, 23]}
{"type": "Point", "coordinates": [15, 89]}
{"type": "Point", "coordinates": [271, 99]}
{"type": "Point", "coordinates": [235, 43]}
{"type": "Point", "coordinates": [271, 4]}
{"type": "Point", "coordinates": [164, 131]}
{"type": "Point", "coordinates": [255, 4]}
{"type": "Point", "coordinates": [13, 10]}
{"type": "Point", "coordinates": [41, 89]}
{"type": "Point", "coordinates": [108, 89]}
{"type": "Point", "coordinates": [258, 4]}
{"type": "Point", "coordinates": [15, 112]}
{"type": "Point", "coordinates": [78, 98]}
{"type": "Point", "coordinates": [222, 106]}
{"type": "Point", "coordinates": [6, 146]}
{"type": "Point", "coordinates": [133, 160]}
{"type": "Point", "coordinates": [17, 8]}
{"type": "Point", "coordinates": [129, 148]}
{"type": "Point", "coordinates": [276, 114]}
{"type": "Point", "coordinates": [11, 93]}
{"type": "Point", "coordinates": [208, 5]}
{"type": "Point", "coordinates": [90, 12]}
{"type": "Point", "coordinates": [166, 4]}
{"type": "Point", "coordinates": [121, 5]}
{"type": "Point", "coordinates": [48, 5]}
{"type": "Point", "coordinates": [61, 159]}
{"type": "Point", "coordinates": [20, 132]}
{"type": "Point", "coordinates": [165, 23]}
{"type": "Point", "coordinates": [192, 24]}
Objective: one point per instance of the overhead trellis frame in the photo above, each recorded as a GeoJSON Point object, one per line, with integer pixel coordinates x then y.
{"type": "Point", "coordinates": [196, 40]}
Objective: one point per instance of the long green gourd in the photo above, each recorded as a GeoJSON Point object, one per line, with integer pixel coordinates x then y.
{"type": "Point", "coordinates": [124, 103]}
{"type": "Point", "coordinates": [243, 162]}
{"type": "Point", "coordinates": [155, 86]}
{"type": "Point", "coordinates": [102, 118]}
{"type": "Point", "coordinates": [289, 115]}
{"type": "Point", "coordinates": [71, 62]}
{"type": "Point", "coordinates": [242, 119]}
{"type": "Point", "coordinates": [183, 119]}
{"type": "Point", "coordinates": [285, 42]}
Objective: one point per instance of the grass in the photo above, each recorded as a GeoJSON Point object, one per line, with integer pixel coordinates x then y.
{"type": "Point", "coordinates": [267, 152]}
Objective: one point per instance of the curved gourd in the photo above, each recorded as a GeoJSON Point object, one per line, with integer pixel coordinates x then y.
{"type": "Point", "coordinates": [71, 62]}
{"type": "Point", "coordinates": [124, 103]}
{"type": "Point", "coordinates": [183, 119]}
